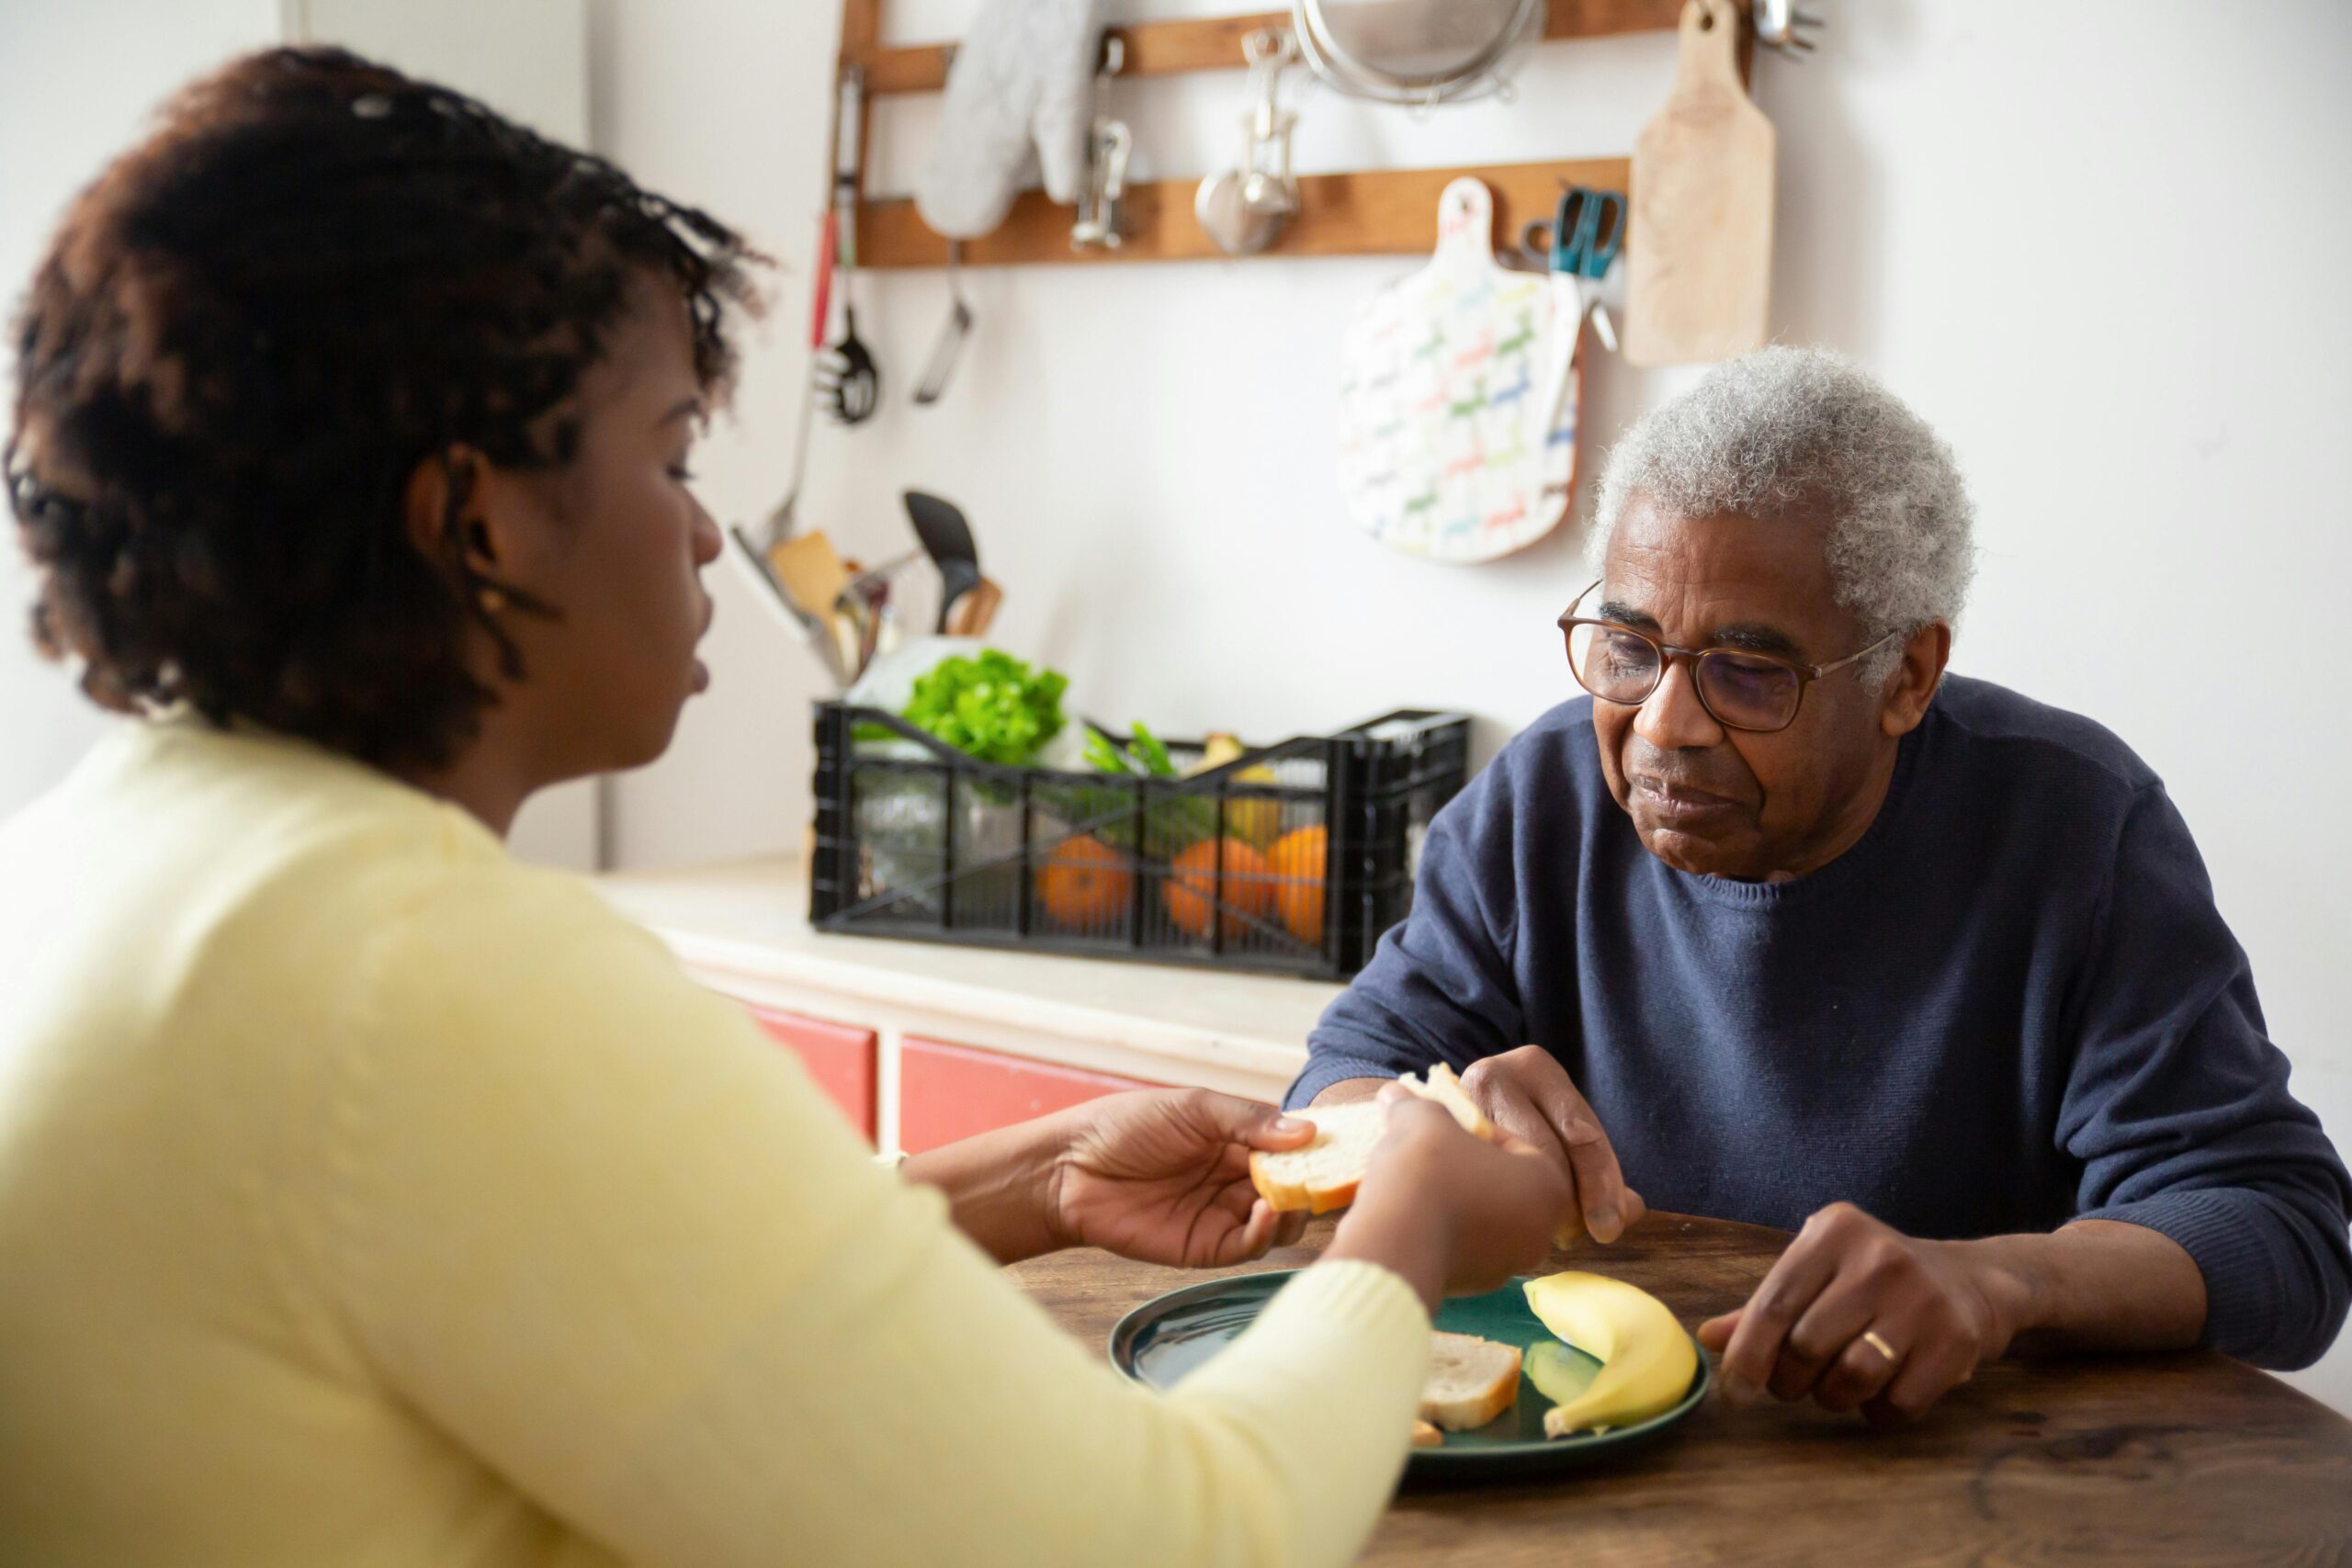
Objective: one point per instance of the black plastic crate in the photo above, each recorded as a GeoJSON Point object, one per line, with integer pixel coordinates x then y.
{"type": "Point", "coordinates": [1298, 873]}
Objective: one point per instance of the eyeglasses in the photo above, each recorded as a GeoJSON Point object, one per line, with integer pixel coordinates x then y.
{"type": "Point", "coordinates": [1754, 692]}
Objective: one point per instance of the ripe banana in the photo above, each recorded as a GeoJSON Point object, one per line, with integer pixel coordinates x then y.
{"type": "Point", "coordinates": [1254, 819]}
{"type": "Point", "coordinates": [1646, 1361]}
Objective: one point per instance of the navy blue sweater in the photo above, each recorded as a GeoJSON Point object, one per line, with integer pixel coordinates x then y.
{"type": "Point", "coordinates": [2012, 1003]}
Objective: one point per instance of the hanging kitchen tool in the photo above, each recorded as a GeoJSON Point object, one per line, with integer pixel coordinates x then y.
{"type": "Point", "coordinates": [1578, 247]}
{"type": "Point", "coordinates": [819, 633]}
{"type": "Point", "coordinates": [850, 377]}
{"type": "Point", "coordinates": [780, 523]}
{"type": "Point", "coordinates": [1779, 26]}
{"type": "Point", "coordinates": [1246, 209]}
{"type": "Point", "coordinates": [812, 572]}
{"type": "Point", "coordinates": [1103, 202]}
{"type": "Point", "coordinates": [760, 554]}
{"type": "Point", "coordinates": [947, 539]}
{"type": "Point", "coordinates": [944, 353]}
{"type": "Point", "coordinates": [1702, 275]}
{"type": "Point", "coordinates": [1022, 88]}
{"type": "Point", "coordinates": [1459, 405]}
{"type": "Point", "coordinates": [1416, 53]}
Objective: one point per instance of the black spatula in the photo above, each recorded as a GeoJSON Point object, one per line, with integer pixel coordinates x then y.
{"type": "Point", "coordinates": [947, 539]}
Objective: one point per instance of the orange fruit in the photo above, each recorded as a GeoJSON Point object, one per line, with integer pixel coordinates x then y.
{"type": "Point", "coordinates": [1085, 881]}
{"type": "Point", "coordinates": [1191, 890]}
{"type": "Point", "coordinates": [1295, 862]}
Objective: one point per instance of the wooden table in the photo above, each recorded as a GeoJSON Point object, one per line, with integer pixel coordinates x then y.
{"type": "Point", "coordinates": [2183, 1459]}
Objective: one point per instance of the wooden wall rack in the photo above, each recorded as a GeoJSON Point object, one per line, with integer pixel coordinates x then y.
{"type": "Point", "coordinates": [1370, 212]}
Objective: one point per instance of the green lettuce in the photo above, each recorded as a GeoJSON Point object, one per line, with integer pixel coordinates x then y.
{"type": "Point", "coordinates": [993, 707]}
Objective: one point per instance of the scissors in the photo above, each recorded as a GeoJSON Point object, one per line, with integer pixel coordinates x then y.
{"type": "Point", "coordinates": [1585, 236]}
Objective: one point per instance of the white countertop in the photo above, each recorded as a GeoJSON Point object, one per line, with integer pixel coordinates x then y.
{"type": "Point", "coordinates": [750, 918]}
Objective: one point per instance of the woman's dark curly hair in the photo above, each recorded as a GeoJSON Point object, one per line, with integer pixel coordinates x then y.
{"type": "Point", "coordinates": [316, 275]}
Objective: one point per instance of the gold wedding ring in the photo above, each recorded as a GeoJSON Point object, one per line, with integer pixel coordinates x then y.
{"type": "Point", "coordinates": [1871, 1339]}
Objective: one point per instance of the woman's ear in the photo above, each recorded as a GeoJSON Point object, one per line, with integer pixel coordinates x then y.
{"type": "Point", "coordinates": [442, 510]}
{"type": "Point", "coordinates": [463, 509]}
{"type": "Point", "coordinates": [1914, 682]}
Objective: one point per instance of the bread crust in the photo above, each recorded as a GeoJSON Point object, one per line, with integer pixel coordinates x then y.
{"type": "Point", "coordinates": [1296, 1197]}
{"type": "Point", "coordinates": [1464, 1412]}
{"type": "Point", "coordinates": [1285, 1197]}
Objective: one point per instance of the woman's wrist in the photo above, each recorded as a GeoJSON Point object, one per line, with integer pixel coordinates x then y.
{"type": "Point", "coordinates": [999, 1186]}
{"type": "Point", "coordinates": [1407, 1239]}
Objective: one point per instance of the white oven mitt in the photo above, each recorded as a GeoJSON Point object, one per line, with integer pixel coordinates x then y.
{"type": "Point", "coordinates": [1023, 77]}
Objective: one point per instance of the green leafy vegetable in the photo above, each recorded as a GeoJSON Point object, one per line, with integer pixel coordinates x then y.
{"type": "Point", "coordinates": [1170, 823]}
{"type": "Point", "coordinates": [993, 707]}
{"type": "Point", "coordinates": [1143, 758]}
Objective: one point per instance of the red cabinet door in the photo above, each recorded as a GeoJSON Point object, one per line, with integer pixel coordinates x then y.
{"type": "Point", "coordinates": [839, 1056]}
{"type": "Point", "coordinates": [946, 1092]}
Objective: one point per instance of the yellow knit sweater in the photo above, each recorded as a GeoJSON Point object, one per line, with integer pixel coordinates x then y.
{"type": "Point", "coordinates": [368, 1198]}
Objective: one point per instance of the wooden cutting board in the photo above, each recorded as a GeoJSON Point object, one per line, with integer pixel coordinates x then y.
{"type": "Point", "coordinates": [1700, 256]}
{"type": "Point", "coordinates": [1458, 409]}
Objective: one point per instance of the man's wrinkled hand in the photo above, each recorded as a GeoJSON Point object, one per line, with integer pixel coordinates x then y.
{"type": "Point", "coordinates": [1528, 1094]}
{"type": "Point", "coordinates": [1856, 1315]}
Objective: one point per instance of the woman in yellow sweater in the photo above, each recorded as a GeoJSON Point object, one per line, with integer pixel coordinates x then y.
{"type": "Point", "coordinates": [366, 1197]}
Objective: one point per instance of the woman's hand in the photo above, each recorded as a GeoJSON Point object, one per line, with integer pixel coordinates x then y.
{"type": "Point", "coordinates": [1452, 1214]}
{"type": "Point", "coordinates": [1162, 1175]}
{"type": "Point", "coordinates": [1857, 1315]}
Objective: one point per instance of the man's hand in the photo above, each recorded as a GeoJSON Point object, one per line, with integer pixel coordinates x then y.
{"type": "Point", "coordinates": [1859, 1316]}
{"type": "Point", "coordinates": [1529, 1096]}
{"type": "Point", "coordinates": [1163, 1176]}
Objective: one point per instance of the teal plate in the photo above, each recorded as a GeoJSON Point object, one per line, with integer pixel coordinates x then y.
{"type": "Point", "coordinates": [1167, 1336]}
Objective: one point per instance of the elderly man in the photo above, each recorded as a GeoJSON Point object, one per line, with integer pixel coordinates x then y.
{"type": "Point", "coordinates": [1808, 933]}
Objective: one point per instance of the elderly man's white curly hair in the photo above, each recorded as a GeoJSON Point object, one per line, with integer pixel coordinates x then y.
{"type": "Point", "coordinates": [1802, 435]}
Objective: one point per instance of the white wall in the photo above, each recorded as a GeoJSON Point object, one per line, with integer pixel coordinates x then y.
{"type": "Point", "coordinates": [76, 83]}
{"type": "Point", "coordinates": [2101, 246]}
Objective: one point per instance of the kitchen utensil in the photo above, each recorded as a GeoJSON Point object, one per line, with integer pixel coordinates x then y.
{"type": "Point", "coordinates": [819, 631]}
{"type": "Point", "coordinates": [1701, 277]}
{"type": "Point", "coordinates": [871, 604]}
{"type": "Point", "coordinates": [1416, 53]}
{"type": "Point", "coordinates": [1779, 25]}
{"type": "Point", "coordinates": [1459, 401]}
{"type": "Point", "coordinates": [973, 612]}
{"type": "Point", "coordinates": [1103, 202]}
{"type": "Point", "coordinates": [947, 539]}
{"type": "Point", "coordinates": [780, 522]}
{"type": "Point", "coordinates": [811, 572]}
{"type": "Point", "coordinates": [1245, 209]}
{"type": "Point", "coordinates": [944, 353]}
{"type": "Point", "coordinates": [1594, 224]}
{"type": "Point", "coordinates": [1166, 1338]}
{"type": "Point", "coordinates": [850, 376]}
{"type": "Point", "coordinates": [1019, 108]}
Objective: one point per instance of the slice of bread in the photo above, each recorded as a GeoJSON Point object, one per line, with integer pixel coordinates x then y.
{"type": "Point", "coordinates": [1322, 1176]}
{"type": "Point", "coordinates": [1471, 1381]}
{"type": "Point", "coordinates": [1426, 1435]}
{"type": "Point", "coordinates": [1447, 1090]}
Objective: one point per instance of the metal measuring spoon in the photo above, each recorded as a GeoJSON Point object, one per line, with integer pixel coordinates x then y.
{"type": "Point", "coordinates": [1245, 210]}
